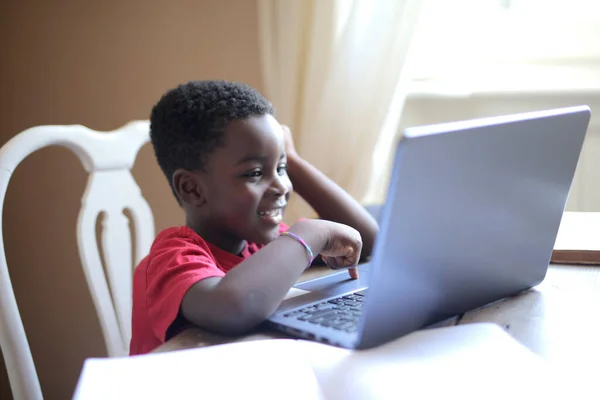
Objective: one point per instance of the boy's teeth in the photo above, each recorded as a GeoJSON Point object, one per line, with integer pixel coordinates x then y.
{"type": "Point", "coordinates": [270, 213]}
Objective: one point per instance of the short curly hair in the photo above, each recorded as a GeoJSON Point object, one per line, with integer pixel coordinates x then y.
{"type": "Point", "coordinates": [188, 122]}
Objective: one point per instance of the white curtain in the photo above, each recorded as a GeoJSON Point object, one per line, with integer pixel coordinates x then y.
{"type": "Point", "coordinates": [335, 70]}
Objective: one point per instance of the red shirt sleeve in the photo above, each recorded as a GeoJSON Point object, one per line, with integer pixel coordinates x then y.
{"type": "Point", "coordinates": [283, 227]}
{"type": "Point", "coordinates": [176, 264]}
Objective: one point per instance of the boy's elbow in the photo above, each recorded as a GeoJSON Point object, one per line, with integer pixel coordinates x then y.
{"type": "Point", "coordinates": [237, 324]}
{"type": "Point", "coordinates": [224, 309]}
{"type": "Point", "coordinates": [232, 328]}
{"type": "Point", "coordinates": [240, 314]}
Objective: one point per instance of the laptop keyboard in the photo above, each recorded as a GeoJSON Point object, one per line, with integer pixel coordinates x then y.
{"type": "Point", "coordinates": [341, 313]}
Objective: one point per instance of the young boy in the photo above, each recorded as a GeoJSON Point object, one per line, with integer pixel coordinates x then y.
{"type": "Point", "coordinates": [231, 166]}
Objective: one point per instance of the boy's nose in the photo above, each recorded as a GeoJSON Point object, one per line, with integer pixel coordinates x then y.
{"type": "Point", "coordinates": [281, 185]}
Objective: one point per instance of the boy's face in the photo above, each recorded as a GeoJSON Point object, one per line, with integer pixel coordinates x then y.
{"type": "Point", "coordinates": [247, 184]}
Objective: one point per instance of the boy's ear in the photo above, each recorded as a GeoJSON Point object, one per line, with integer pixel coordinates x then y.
{"type": "Point", "coordinates": [189, 187]}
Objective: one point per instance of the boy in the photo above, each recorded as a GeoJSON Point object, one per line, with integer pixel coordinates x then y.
{"type": "Point", "coordinates": [227, 161]}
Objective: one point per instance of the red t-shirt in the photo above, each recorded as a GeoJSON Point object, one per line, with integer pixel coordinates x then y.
{"type": "Point", "coordinates": [178, 259]}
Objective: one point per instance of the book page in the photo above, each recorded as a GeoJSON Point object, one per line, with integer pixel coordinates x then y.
{"type": "Point", "coordinates": [472, 361]}
{"type": "Point", "coordinates": [265, 369]}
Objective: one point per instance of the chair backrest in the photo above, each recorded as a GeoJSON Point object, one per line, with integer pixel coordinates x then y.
{"type": "Point", "coordinates": [108, 158]}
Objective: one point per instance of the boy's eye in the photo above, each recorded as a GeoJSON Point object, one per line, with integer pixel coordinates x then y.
{"type": "Point", "coordinates": [253, 174]}
{"type": "Point", "coordinates": [281, 169]}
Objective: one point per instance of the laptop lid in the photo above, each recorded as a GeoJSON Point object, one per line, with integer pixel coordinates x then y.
{"type": "Point", "coordinates": [472, 214]}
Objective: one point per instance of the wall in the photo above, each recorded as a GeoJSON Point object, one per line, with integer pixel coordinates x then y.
{"type": "Point", "coordinates": [99, 64]}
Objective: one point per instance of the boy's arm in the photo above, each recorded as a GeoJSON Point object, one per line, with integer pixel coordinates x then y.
{"type": "Point", "coordinates": [330, 201]}
{"type": "Point", "coordinates": [253, 290]}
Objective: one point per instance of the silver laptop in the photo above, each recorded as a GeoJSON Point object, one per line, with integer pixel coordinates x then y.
{"type": "Point", "coordinates": [471, 216]}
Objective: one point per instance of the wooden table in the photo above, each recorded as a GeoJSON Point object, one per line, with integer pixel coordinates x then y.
{"type": "Point", "coordinates": [559, 319]}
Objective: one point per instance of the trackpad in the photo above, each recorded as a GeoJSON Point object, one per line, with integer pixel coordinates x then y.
{"type": "Point", "coordinates": [337, 280]}
{"type": "Point", "coordinates": [324, 287]}
{"type": "Point", "coordinates": [295, 292]}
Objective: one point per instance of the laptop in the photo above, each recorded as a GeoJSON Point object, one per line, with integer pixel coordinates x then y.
{"type": "Point", "coordinates": [472, 212]}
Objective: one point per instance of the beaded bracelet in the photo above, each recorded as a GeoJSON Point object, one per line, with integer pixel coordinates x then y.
{"type": "Point", "coordinates": [303, 243]}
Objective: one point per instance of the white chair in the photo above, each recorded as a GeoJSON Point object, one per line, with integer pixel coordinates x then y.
{"type": "Point", "coordinates": [108, 157]}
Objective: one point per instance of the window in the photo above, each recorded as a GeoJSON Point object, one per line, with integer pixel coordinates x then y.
{"type": "Point", "coordinates": [495, 45]}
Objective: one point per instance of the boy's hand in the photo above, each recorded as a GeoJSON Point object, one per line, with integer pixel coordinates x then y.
{"type": "Point", "coordinates": [343, 248]}
{"type": "Point", "coordinates": [339, 245]}
{"type": "Point", "coordinates": [290, 149]}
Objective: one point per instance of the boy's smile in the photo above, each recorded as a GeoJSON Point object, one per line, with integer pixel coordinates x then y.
{"type": "Point", "coordinates": [274, 215]}
{"type": "Point", "coordinates": [246, 186]}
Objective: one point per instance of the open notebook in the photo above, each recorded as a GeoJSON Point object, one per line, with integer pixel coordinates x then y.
{"type": "Point", "coordinates": [471, 361]}
{"type": "Point", "coordinates": [578, 239]}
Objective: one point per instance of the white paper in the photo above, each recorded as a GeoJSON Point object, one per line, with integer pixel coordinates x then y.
{"type": "Point", "coordinates": [473, 361]}
{"type": "Point", "coordinates": [269, 369]}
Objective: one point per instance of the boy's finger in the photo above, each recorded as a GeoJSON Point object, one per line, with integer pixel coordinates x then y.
{"type": "Point", "coordinates": [353, 272]}
{"type": "Point", "coordinates": [331, 262]}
